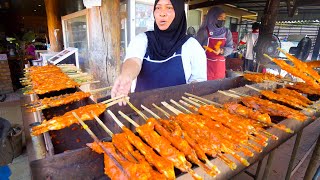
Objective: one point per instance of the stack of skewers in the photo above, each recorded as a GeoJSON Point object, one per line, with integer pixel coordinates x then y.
{"type": "Point", "coordinates": [198, 130]}
{"type": "Point", "coordinates": [45, 79]}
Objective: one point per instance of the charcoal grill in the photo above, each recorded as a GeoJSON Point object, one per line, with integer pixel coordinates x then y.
{"type": "Point", "coordinates": [68, 157]}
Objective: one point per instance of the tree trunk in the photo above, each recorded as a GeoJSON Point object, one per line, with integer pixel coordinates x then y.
{"type": "Point", "coordinates": [268, 22]}
{"type": "Point", "coordinates": [54, 25]}
{"type": "Point", "coordinates": [104, 38]}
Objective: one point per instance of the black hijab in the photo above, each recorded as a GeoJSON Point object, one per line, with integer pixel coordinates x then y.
{"type": "Point", "coordinates": [163, 44]}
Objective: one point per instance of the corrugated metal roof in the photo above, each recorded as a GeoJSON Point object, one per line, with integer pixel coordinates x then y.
{"type": "Point", "coordinates": [305, 9]}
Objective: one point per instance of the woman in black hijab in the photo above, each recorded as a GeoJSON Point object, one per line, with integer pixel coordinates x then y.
{"type": "Point", "coordinates": [163, 57]}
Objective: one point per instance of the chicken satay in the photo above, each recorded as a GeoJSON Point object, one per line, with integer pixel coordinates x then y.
{"type": "Point", "coordinates": [163, 165]}
{"type": "Point", "coordinates": [208, 143]}
{"type": "Point", "coordinates": [164, 148]}
{"type": "Point", "coordinates": [58, 101]}
{"type": "Point", "coordinates": [284, 99]}
{"type": "Point", "coordinates": [296, 72]}
{"type": "Point", "coordinates": [231, 121]}
{"type": "Point", "coordinates": [68, 119]}
{"type": "Point", "coordinates": [182, 145]}
{"type": "Point", "coordinates": [236, 108]}
{"type": "Point", "coordinates": [303, 67]}
{"type": "Point", "coordinates": [176, 129]}
{"type": "Point", "coordinates": [273, 109]}
{"type": "Point", "coordinates": [304, 88]}
{"type": "Point", "coordinates": [293, 93]}
{"type": "Point", "coordinates": [260, 77]}
{"type": "Point", "coordinates": [134, 170]}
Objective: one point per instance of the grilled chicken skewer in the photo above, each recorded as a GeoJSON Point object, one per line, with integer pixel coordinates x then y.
{"type": "Point", "coordinates": [235, 108]}
{"type": "Point", "coordinates": [57, 101]}
{"type": "Point", "coordinates": [123, 145]}
{"type": "Point", "coordinates": [200, 151]}
{"type": "Point", "coordinates": [175, 138]}
{"type": "Point", "coordinates": [304, 88]}
{"type": "Point", "coordinates": [302, 66]}
{"type": "Point", "coordinates": [293, 93]}
{"type": "Point", "coordinates": [266, 106]}
{"type": "Point", "coordinates": [114, 169]}
{"type": "Point", "coordinates": [68, 119]}
{"type": "Point", "coordinates": [163, 165]}
{"type": "Point", "coordinates": [295, 72]}
{"type": "Point", "coordinates": [292, 101]}
{"type": "Point", "coordinates": [210, 143]}
{"type": "Point", "coordinates": [226, 133]}
{"type": "Point", "coordinates": [164, 148]}
{"type": "Point", "coordinates": [261, 77]}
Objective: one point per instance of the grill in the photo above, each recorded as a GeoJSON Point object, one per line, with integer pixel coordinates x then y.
{"type": "Point", "coordinates": [69, 157]}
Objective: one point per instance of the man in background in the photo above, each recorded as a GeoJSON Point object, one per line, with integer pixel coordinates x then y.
{"type": "Point", "coordinates": [249, 40]}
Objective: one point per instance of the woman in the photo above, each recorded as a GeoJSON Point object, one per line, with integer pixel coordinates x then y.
{"type": "Point", "coordinates": [217, 41]}
{"type": "Point", "coordinates": [163, 57]}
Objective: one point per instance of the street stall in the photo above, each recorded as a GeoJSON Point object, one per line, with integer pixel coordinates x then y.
{"type": "Point", "coordinates": [213, 129]}
{"type": "Point", "coordinates": [58, 144]}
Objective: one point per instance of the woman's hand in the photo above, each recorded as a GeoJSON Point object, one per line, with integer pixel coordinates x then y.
{"type": "Point", "coordinates": [220, 51]}
{"type": "Point", "coordinates": [122, 85]}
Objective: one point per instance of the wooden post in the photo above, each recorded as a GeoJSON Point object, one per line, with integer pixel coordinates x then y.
{"type": "Point", "coordinates": [268, 22]}
{"type": "Point", "coordinates": [316, 47]}
{"type": "Point", "coordinates": [104, 38]}
{"type": "Point", "coordinates": [54, 24]}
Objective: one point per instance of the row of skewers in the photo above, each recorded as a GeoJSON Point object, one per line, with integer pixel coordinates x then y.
{"type": "Point", "coordinates": [199, 129]}
{"type": "Point", "coordinates": [212, 131]}
{"type": "Point", "coordinates": [45, 79]}
{"type": "Point", "coordinates": [215, 122]}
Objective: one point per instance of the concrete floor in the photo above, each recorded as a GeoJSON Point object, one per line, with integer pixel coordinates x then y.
{"type": "Point", "coordinates": [283, 154]}
{"type": "Point", "coordinates": [10, 109]}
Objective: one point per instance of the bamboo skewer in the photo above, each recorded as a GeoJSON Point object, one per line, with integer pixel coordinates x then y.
{"type": "Point", "coordinates": [114, 102]}
{"type": "Point", "coordinates": [91, 82]}
{"type": "Point", "coordinates": [191, 102]}
{"type": "Point", "coordinates": [188, 105]}
{"type": "Point", "coordinates": [113, 99]}
{"type": "Point", "coordinates": [237, 93]}
{"type": "Point", "coordinates": [256, 89]}
{"type": "Point", "coordinates": [176, 111]}
{"type": "Point", "coordinates": [100, 89]}
{"type": "Point", "coordinates": [229, 94]}
{"type": "Point", "coordinates": [161, 110]}
{"type": "Point", "coordinates": [179, 106]}
{"type": "Point", "coordinates": [202, 99]}
{"type": "Point", "coordinates": [197, 101]}
{"type": "Point", "coordinates": [104, 127]}
{"type": "Point", "coordinates": [95, 138]}
{"type": "Point", "coordinates": [149, 111]}
{"type": "Point", "coordinates": [136, 110]}
{"type": "Point", "coordinates": [128, 119]}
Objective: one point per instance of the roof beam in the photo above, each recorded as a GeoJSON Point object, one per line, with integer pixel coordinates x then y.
{"type": "Point", "coordinates": [212, 3]}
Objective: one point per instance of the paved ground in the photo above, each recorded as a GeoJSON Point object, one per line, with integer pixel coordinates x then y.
{"type": "Point", "coordinates": [21, 170]}
{"type": "Point", "coordinates": [283, 154]}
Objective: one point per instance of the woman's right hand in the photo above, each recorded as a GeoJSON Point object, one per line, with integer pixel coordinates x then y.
{"type": "Point", "coordinates": [122, 86]}
{"type": "Point", "coordinates": [130, 70]}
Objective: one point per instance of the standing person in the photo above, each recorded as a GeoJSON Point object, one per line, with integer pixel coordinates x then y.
{"type": "Point", "coordinates": [250, 40]}
{"type": "Point", "coordinates": [217, 41]}
{"type": "Point", "coordinates": [191, 31]}
{"type": "Point", "coordinates": [163, 57]}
